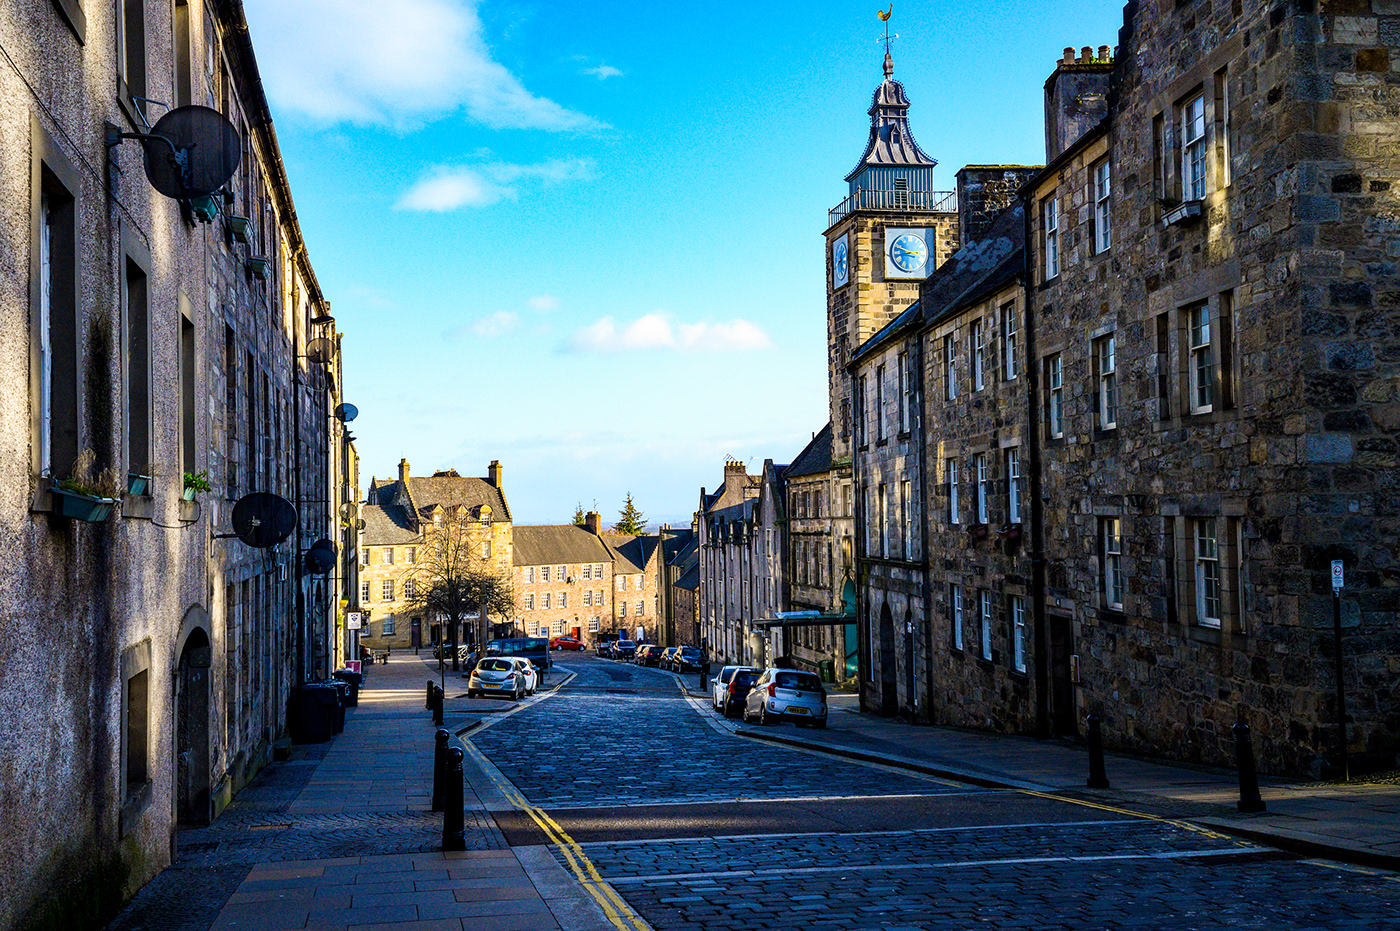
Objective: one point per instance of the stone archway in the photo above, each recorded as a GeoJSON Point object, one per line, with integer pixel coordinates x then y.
{"type": "Point", "coordinates": [192, 756]}
{"type": "Point", "coordinates": [889, 684]}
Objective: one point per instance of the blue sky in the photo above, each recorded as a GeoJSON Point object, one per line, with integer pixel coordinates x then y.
{"type": "Point", "coordinates": [586, 238]}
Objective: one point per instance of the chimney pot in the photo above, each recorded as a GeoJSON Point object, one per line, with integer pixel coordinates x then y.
{"type": "Point", "coordinates": [1105, 53]}
{"type": "Point", "coordinates": [1086, 54]}
{"type": "Point", "coordinates": [1069, 56]}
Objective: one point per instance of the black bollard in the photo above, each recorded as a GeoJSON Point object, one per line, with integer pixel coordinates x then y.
{"type": "Point", "coordinates": [1250, 799]}
{"type": "Point", "coordinates": [440, 768]}
{"type": "Point", "coordinates": [437, 706]}
{"type": "Point", "coordinates": [454, 831]}
{"type": "Point", "coordinates": [1098, 779]}
{"type": "Point", "coordinates": [428, 703]}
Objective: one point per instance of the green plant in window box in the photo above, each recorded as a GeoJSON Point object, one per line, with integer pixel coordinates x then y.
{"type": "Point", "coordinates": [86, 494]}
{"type": "Point", "coordinates": [196, 481]}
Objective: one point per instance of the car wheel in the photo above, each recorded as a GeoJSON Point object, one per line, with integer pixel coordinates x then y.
{"type": "Point", "coordinates": [819, 724]}
{"type": "Point", "coordinates": [470, 693]}
{"type": "Point", "coordinates": [763, 714]}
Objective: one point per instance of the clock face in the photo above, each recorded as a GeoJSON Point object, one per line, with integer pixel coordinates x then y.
{"type": "Point", "coordinates": [908, 253]}
{"type": "Point", "coordinates": [840, 262]}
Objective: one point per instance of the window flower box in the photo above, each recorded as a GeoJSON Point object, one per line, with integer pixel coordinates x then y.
{"type": "Point", "coordinates": [79, 506]}
{"type": "Point", "coordinates": [237, 228]}
{"type": "Point", "coordinates": [257, 267]}
{"type": "Point", "coordinates": [1182, 214]}
{"type": "Point", "coordinates": [977, 531]}
{"type": "Point", "coordinates": [1010, 532]}
{"type": "Point", "coordinates": [137, 485]}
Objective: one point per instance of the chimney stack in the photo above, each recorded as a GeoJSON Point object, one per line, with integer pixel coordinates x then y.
{"type": "Point", "coordinates": [493, 473]}
{"type": "Point", "coordinates": [1076, 98]}
{"type": "Point", "coordinates": [593, 522]}
{"type": "Point", "coordinates": [403, 470]}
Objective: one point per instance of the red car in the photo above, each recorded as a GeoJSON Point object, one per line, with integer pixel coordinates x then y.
{"type": "Point", "coordinates": [566, 643]}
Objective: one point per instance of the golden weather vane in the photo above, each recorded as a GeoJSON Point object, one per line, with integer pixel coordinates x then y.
{"type": "Point", "coordinates": [885, 18]}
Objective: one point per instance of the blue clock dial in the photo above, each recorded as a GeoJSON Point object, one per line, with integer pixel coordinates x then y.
{"type": "Point", "coordinates": [908, 253]}
{"type": "Point", "coordinates": [841, 260]}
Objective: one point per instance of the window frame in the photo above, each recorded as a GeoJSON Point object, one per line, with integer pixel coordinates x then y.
{"type": "Point", "coordinates": [955, 607]}
{"type": "Point", "coordinates": [1200, 368]}
{"type": "Point", "coordinates": [1010, 324]}
{"type": "Point", "coordinates": [950, 366]}
{"type": "Point", "coordinates": [880, 403]}
{"type": "Point", "coordinates": [387, 590]}
{"type": "Point", "coordinates": [1018, 633]}
{"type": "Point", "coordinates": [1050, 236]}
{"type": "Point", "coordinates": [1207, 571]}
{"type": "Point", "coordinates": [984, 610]}
{"type": "Point", "coordinates": [1012, 459]}
{"type": "Point", "coordinates": [976, 354]}
{"type": "Point", "coordinates": [1191, 115]}
{"type": "Point", "coordinates": [950, 474]}
{"type": "Point", "coordinates": [1103, 206]}
{"type": "Point", "coordinates": [1055, 391]}
{"type": "Point", "coordinates": [1111, 567]}
{"type": "Point", "coordinates": [1106, 358]}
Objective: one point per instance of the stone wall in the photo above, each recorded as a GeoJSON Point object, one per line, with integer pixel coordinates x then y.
{"type": "Point", "coordinates": [985, 191]}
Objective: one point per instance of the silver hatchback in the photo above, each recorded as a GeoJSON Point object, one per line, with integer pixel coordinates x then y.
{"type": "Point", "coordinates": [786, 694]}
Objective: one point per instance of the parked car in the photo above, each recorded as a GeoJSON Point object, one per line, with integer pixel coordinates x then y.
{"type": "Point", "coordinates": [529, 672]}
{"type": "Point", "coordinates": [731, 688]}
{"type": "Point", "coordinates": [604, 648]}
{"type": "Point", "coordinates": [787, 694]}
{"type": "Point", "coordinates": [687, 659]}
{"type": "Point", "coordinates": [649, 655]}
{"type": "Point", "coordinates": [496, 675]}
{"type": "Point", "coordinates": [566, 643]}
{"type": "Point", "coordinates": [624, 649]}
{"type": "Point", "coordinates": [667, 656]}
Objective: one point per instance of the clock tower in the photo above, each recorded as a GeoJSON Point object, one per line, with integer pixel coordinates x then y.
{"type": "Point", "coordinates": [882, 241]}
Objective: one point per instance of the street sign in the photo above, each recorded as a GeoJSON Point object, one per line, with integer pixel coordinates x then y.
{"type": "Point", "coordinates": [354, 620]}
{"type": "Point", "coordinates": [1337, 583]}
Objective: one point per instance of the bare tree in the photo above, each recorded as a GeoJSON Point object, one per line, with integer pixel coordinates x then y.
{"type": "Point", "coordinates": [456, 580]}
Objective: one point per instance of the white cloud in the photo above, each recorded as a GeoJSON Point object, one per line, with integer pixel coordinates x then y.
{"type": "Point", "coordinates": [544, 302]}
{"type": "Point", "coordinates": [498, 323]}
{"type": "Point", "coordinates": [603, 72]}
{"type": "Point", "coordinates": [654, 331]}
{"type": "Point", "coordinates": [395, 62]}
{"type": "Point", "coordinates": [446, 189]}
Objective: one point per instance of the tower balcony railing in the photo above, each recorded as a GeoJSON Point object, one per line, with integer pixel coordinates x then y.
{"type": "Point", "coordinates": [895, 201]}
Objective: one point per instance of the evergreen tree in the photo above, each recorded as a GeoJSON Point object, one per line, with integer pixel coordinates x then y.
{"type": "Point", "coordinates": [580, 519]}
{"type": "Point", "coordinates": [630, 520]}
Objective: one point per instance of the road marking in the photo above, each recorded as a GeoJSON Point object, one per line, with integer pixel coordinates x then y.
{"type": "Point", "coordinates": [664, 878]}
{"type": "Point", "coordinates": [537, 698]}
{"type": "Point", "coordinates": [857, 834]}
{"type": "Point", "coordinates": [618, 912]}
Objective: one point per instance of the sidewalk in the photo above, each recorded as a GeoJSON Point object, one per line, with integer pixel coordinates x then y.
{"type": "Point", "coordinates": [1355, 823]}
{"type": "Point", "coordinates": [341, 836]}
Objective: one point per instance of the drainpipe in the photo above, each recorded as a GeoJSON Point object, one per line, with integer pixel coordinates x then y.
{"type": "Point", "coordinates": [917, 358]}
{"type": "Point", "coordinates": [1039, 626]}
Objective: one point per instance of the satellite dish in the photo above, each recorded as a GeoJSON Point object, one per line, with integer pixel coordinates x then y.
{"type": "Point", "coordinates": [319, 350]}
{"type": "Point", "coordinates": [346, 412]}
{"type": "Point", "coordinates": [195, 154]}
{"type": "Point", "coordinates": [347, 510]}
{"type": "Point", "coordinates": [320, 559]}
{"type": "Point", "coordinates": [262, 520]}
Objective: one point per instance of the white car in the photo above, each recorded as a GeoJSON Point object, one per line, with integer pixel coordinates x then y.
{"type": "Point", "coordinates": [787, 695]}
{"type": "Point", "coordinates": [719, 685]}
{"type": "Point", "coordinates": [497, 675]}
{"type": "Point", "coordinates": [529, 672]}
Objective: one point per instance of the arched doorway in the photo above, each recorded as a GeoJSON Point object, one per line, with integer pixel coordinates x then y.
{"type": "Point", "coordinates": [192, 728]}
{"type": "Point", "coordinates": [889, 685]}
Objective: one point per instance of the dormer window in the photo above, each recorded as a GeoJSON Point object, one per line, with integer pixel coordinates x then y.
{"type": "Point", "coordinates": [894, 136]}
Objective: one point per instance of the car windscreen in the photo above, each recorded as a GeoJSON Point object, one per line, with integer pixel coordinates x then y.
{"type": "Point", "coordinates": [626, 645]}
{"type": "Point", "coordinates": [689, 651]}
{"type": "Point", "coordinates": [495, 665]}
{"type": "Point", "coordinates": [799, 680]}
{"type": "Point", "coordinates": [746, 677]}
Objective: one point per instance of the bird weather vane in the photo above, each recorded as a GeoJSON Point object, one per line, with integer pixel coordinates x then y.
{"type": "Point", "coordinates": [885, 18]}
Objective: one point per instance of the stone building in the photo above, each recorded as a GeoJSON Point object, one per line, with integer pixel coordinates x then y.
{"type": "Point", "coordinates": [1204, 420]}
{"type": "Point", "coordinates": [637, 574]}
{"type": "Point", "coordinates": [725, 596]}
{"type": "Point", "coordinates": [678, 555]}
{"type": "Point", "coordinates": [564, 580]}
{"type": "Point", "coordinates": [405, 520]}
{"type": "Point", "coordinates": [164, 338]}
{"type": "Point", "coordinates": [1214, 262]}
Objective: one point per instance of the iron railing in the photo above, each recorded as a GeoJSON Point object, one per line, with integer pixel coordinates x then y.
{"type": "Point", "coordinates": [897, 201]}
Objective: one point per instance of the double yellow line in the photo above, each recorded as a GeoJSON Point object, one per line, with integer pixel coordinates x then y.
{"type": "Point", "coordinates": [618, 911]}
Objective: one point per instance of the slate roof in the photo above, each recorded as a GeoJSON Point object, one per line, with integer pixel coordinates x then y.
{"type": "Point", "coordinates": [453, 490]}
{"type": "Point", "coordinates": [690, 580]}
{"type": "Point", "coordinates": [677, 543]}
{"type": "Point", "coordinates": [978, 268]}
{"type": "Point", "coordinates": [550, 544]}
{"type": "Point", "coordinates": [633, 553]}
{"type": "Point", "coordinates": [889, 110]}
{"type": "Point", "coordinates": [385, 526]}
{"type": "Point", "coordinates": [815, 457]}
